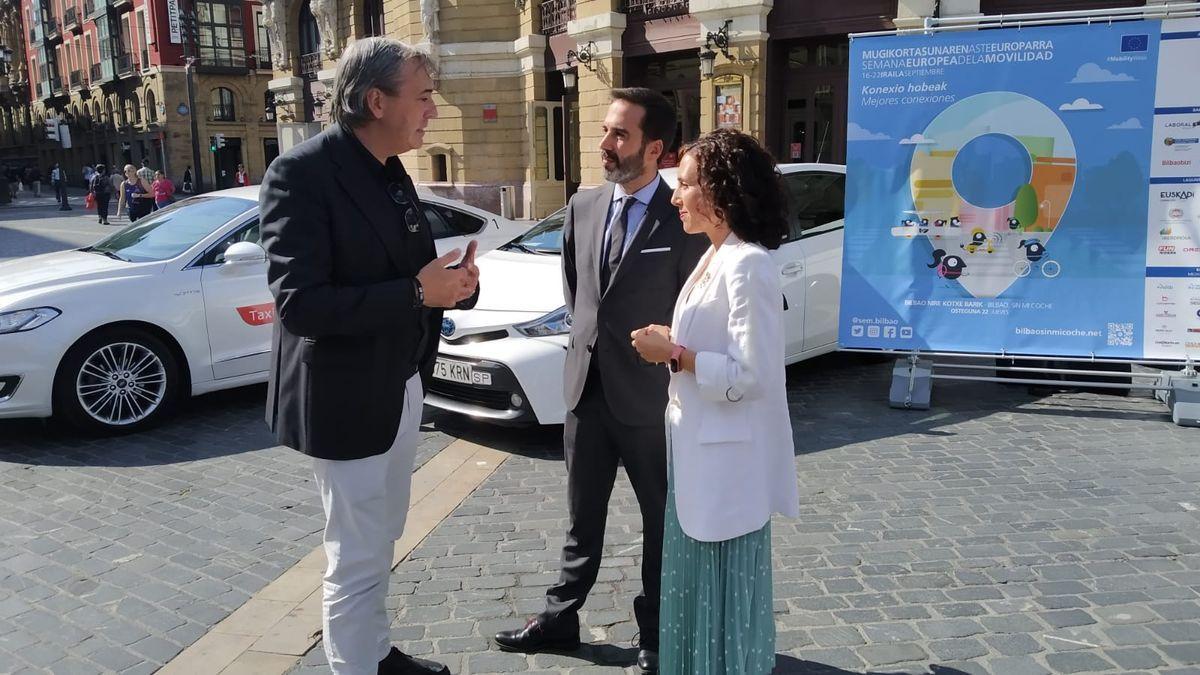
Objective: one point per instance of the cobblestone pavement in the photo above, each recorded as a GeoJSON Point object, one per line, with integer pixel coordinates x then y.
{"type": "Point", "coordinates": [117, 553]}
{"type": "Point", "coordinates": [999, 532]}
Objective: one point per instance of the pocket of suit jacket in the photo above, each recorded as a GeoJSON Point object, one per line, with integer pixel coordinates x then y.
{"type": "Point", "coordinates": [340, 351]}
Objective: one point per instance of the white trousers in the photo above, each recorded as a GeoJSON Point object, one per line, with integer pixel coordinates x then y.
{"type": "Point", "coordinates": [366, 504]}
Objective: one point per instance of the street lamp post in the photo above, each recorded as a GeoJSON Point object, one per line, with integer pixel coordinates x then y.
{"type": "Point", "coordinates": [190, 68]}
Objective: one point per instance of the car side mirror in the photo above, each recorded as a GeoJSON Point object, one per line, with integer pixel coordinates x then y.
{"type": "Point", "coordinates": [244, 252]}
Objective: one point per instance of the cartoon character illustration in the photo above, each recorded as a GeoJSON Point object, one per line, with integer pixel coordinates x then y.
{"type": "Point", "coordinates": [1014, 224]}
{"type": "Point", "coordinates": [1034, 249]}
{"type": "Point", "coordinates": [908, 222]}
{"type": "Point", "coordinates": [939, 223]}
{"type": "Point", "coordinates": [954, 221]}
{"type": "Point", "coordinates": [948, 266]}
{"type": "Point", "coordinates": [979, 239]}
{"type": "Point", "coordinates": [924, 222]}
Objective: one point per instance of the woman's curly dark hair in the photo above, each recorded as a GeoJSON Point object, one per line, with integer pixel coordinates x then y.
{"type": "Point", "coordinates": [743, 186]}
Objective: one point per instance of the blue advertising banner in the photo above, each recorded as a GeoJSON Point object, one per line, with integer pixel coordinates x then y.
{"type": "Point", "coordinates": [1026, 190]}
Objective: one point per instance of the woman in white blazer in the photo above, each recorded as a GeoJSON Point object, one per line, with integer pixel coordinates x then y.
{"type": "Point", "coordinates": [729, 433]}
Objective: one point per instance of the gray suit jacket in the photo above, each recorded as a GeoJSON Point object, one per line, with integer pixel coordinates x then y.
{"type": "Point", "coordinates": [642, 291]}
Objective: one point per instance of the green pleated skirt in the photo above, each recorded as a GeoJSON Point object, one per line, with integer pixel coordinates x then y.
{"type": "Point", "coordinates": [716, 606]}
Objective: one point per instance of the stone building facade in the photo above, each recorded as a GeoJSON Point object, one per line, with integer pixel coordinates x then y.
{"type": "Point", "coordinates": [113, 73]}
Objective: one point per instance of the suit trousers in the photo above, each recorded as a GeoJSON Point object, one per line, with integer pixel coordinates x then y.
{"type": "Point", "coordinates": [594, 442]}
{"type": "Point", "coordinates": [366, 505]}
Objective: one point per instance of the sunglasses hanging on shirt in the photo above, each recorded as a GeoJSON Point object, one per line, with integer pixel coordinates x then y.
{"type": "Point", "coordinates": [411, 219]}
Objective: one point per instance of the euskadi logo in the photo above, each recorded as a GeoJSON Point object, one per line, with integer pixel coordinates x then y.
{"type": "Point", "coordinates": [1175, 195]}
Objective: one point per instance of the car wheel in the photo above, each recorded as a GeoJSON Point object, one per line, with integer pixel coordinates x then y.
{"type": "Point", "coordinates": [116, 381]}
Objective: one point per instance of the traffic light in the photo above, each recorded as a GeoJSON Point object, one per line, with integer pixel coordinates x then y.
{"type": "Point", "coordinates": [220, 140]}
{"type": "Point", "coordinates": [216, 142]}
{"type": "Point", "coordinates": [52, 128]}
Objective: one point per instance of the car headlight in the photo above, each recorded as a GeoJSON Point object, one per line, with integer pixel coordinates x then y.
{"type": "Point", "coordinates": [26, 319]}
{"type": "Point", "coordinates": [557, 322]}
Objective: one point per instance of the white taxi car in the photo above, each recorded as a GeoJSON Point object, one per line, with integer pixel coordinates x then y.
{"type": "Point", "coordinates": [107, 336]}
{"type": "Point", "coordinates": [503, 360]}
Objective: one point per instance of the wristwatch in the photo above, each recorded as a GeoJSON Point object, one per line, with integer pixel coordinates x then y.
{"type": "Point", "coordinates": [674, 363]}
{"type": "Point", "coordinates": [418, 294]}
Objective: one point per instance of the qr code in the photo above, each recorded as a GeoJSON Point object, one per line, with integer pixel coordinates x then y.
{"type": "Point", "coordinates": [1120, 334]}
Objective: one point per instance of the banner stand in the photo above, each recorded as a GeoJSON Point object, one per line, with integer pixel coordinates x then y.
{"type": "Point", "coordinates": [915, 370]}
{"type": "Point", "coordinates": [913, 375]}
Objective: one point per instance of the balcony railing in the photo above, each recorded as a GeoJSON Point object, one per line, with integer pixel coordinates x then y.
{"type": "Point", "coordinates": [654, 9]}
{"type": "Point", "coordinates": [94, 73]}
{"type": "Point", "coordinates": [76, 79]}
{"type": "Point", "coordinates": [125, 64]}
{"type": "Point", "coordinates": [553, 16]}
{"type": "Point", "coordinates": [50, 28]}
{"type": "Point", "coordinates": [71, 19]}
{"type": "Point", "coordinates": [120, 3]}
{"type": "Point", "coordinates": [310, 63]}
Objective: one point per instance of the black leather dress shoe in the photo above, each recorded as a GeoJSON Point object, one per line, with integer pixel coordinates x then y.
{"type": "Point", "coordinates": [399, 663]}
{"type": "Point", "coordinates": [539, 635]}
{"type": "Point", "coordinates": [647, 661]}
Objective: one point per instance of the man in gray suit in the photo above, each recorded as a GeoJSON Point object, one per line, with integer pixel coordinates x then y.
{"type": "Point", "coordinates": [625, 258]}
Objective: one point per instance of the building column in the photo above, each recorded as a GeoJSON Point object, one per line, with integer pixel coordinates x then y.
{"type": "Point", "coordinates": [604, 31]}
{"type": "Point", "coordinates": [289, 107]}
{"type": "Point", "coordinates": [744, 75]}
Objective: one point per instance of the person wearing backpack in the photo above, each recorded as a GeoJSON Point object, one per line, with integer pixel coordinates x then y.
{"type": "Point", "coordinates": [101, 188]}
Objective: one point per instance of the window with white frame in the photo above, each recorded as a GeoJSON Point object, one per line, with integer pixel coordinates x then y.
{"type": "Point", "coordinates": [222, 42]}
{"type": "Point", "coordinates": [262, 41]}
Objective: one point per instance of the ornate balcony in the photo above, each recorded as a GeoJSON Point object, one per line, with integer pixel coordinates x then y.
{"type": "Point", "coordinates": [310, 63]}
{"type": "Point", "coordinates": [50, 28]}
{"type": "Point", "coordinates": [654, 9]}
{"type": "Point", "coordinates": [125, 65]}
{"type": "Point", "coordinates": [553, 16]}
{"type": "Point", "coordinates": [71, 20]}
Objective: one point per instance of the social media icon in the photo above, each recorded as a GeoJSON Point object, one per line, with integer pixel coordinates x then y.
{"type": "Point", "coordinates": [856, 331]}
{"type": "Point", "coordinates": [889, 332]}
{"type": "Point", "coordinates": [905, 332]}
{"type": "Point", "coordinates": [872, 331]}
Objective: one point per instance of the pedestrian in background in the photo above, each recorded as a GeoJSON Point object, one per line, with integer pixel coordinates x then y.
{"type": "Point", "coordinates": [34, 177]}
{"type": "Point", "coordinates": [135, 195]}
{"type": "Point", "coordinates": [242, 177]}
{"type": "Point", "coordinates": [12, 175]}
{"type": "Point", "coordinates": [58, 178]}
{"type": "Point", "coordinates": [187, 179]}
{"type": "Point", "coordinates": [146, 173]}
{"type": "Point", "coordinates": [163, 189]}
{"type": "Point", "coordinates": [729, 434]}
{"type": "Point", "coordinates": [101, 189]}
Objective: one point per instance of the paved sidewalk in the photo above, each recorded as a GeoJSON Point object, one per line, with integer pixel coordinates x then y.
{"type": "Point", "coordinates": [996, 533]}
{"type": "Point", "coordinates": [117, 553]}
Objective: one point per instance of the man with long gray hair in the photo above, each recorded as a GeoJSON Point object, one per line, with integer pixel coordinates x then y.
{"type": "Point", "coordinates": [359, 293]}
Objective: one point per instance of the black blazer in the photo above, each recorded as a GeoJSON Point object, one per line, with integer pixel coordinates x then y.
{"type": "Point", "coordinates": [341, 266]}
{"type": "Point", "coordinates": [641, 292]}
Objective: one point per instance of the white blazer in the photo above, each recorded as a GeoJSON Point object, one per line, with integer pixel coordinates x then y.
{"type": "Point", "coordinates": [732, 456]}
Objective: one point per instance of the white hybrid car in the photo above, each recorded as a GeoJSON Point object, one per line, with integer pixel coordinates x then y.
{"type": "Point", "coordinates": [108, 335]}
{"type": "Point", "coordinates": [503, 360]}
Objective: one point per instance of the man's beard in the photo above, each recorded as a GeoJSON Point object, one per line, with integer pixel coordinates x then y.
{"type": "Point", "coordinates": [625, 169]}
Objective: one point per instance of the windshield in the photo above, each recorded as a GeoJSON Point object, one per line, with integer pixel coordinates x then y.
{"type": "Point", "coordinates": [167, 233]}
{"type": "Point", "coordinates": [544, 238]}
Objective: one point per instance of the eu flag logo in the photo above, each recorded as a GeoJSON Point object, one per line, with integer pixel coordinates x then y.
{"type": "Point", "coordinates": [1134, 43]}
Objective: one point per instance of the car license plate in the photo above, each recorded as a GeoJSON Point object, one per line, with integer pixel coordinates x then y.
{"type": "Point", "coordinates": [462, 373]}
